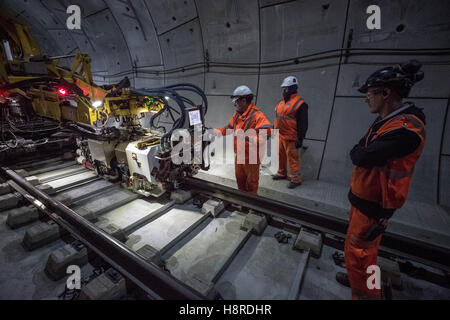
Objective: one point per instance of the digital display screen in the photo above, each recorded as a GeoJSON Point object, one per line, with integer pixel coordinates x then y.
{"type": "Point", "coordinates": [194, 117]}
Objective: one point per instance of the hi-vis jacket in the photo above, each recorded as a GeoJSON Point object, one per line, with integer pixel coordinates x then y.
{"type": "Point", "coordinates": [252, 118]}
{"type": "Point", "coordinates": [285, 117]}
{"type": "Point", "coordinates": [386, 184]}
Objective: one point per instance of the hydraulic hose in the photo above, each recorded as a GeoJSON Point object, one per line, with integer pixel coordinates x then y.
{"type": "Point", "coordinates": [172, 92]}
{"type": "Point", "coordinates": [159, 113]}
{"type": "Point", "coordinates": [162, 92]}
{"type": "Point", "coordinates": [195, 88]}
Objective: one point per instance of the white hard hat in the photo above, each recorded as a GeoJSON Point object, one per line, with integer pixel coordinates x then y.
{"type": "Point", "coordinates": [240, 92]}
{"type": "Point", "coordinates": [289, 81]}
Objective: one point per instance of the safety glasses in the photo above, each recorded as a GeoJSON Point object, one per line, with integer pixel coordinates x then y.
{"type": "Point", "coordinates": [373, 92]}
{"type": "Point", "coordinates": [235, 99]}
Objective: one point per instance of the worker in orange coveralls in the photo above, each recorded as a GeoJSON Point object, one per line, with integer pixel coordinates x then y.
{"type": "Point", "coordinates": [245, 124]}
{"type": "Point", "coordinates": [291, 119]}
{"type": "Point", "coordinates": [384, 162]}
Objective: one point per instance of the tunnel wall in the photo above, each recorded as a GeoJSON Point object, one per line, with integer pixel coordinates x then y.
{"type": "Point", "coordinates": [220, 44]}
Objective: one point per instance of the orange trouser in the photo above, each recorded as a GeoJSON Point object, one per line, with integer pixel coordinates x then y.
{"type": "Point", "coordinates": [360, 253]}
{"type": "Point", "coordinates": [247, 177]}
{"type": "Point", "coordinates": [287, 152]}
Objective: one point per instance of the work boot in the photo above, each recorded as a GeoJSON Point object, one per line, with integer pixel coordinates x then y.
{"type": "Point", "coordinates": [342, 278]}
{"type": "Point", "coordinates": [293, 185]}
{"type": "Point", "coordinates": [277, 177]}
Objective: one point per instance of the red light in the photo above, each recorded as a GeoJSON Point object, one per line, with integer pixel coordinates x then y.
{"type": "Point", "coordinates": [62, 91]}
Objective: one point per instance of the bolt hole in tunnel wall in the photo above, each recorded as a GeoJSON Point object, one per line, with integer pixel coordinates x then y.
{"type": "Point", "coordinates": [220, 44]}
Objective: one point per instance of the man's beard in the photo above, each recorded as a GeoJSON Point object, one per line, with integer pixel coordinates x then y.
{"type": "Point", "coordinates": [290, 91]}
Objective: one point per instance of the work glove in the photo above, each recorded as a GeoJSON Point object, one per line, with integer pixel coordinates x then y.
{"type": "Point", "coordinates": [216, 132]}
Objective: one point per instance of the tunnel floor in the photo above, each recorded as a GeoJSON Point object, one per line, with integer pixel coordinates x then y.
{"type": "Point", "coordinates": [240, 264]}
{"type": "Point", "coordinates": [318, 281]}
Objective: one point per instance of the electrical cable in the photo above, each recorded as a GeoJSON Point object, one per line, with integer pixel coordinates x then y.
{"type": "Point", "coordinates": [294, 60]}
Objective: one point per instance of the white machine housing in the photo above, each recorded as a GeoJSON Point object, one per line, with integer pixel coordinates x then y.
{"type": "Point", "coordinates": [102, 151]}
{"type": "Point", "coordinates": [142, 161]}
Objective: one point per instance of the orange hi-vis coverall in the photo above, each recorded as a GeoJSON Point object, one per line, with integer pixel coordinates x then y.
{"type": "Point", "coordinates": [286, 123]}
{"type": "Point", "coordinates": [377, 189]}
{"type": "Point", "coordinates": [247, 172]}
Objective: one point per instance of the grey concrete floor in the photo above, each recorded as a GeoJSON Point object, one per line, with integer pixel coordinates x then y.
{"type": "Point", "coordinates": [130, 214]}
{"type": "Point", "coordinates": [264, 269]}
{"type": "Point", "coordinates": [206, 254]}
{"type": "Point", "coordinates": [165, 231]}
{"type": "Point", "coordinates": [22, 275]}
{"type": "Point", "coordinates": [74, 195]}
{"type": "Point", "coordinates": [72, 180]}
{"type": "Point", "coordinates": [319, 279]}
{"type": "Point", "coordinates": [319, 283]}
{"type": "Point", "coordinates": [107, 201]}
{"type": "Point", "coordinates": [53, 174]}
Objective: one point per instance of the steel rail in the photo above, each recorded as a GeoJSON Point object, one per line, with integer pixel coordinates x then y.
{"type": "Point", "coordinates": [418, 250]}
{"type": "Point", "coordinates": [148, 277]}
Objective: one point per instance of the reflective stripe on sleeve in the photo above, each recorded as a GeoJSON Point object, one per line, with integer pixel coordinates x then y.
{"type": "Point", "coordinates": [266, 126]}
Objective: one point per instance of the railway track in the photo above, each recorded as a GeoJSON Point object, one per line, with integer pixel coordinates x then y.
{"type": "Point", "coordinates": [193, 245]}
